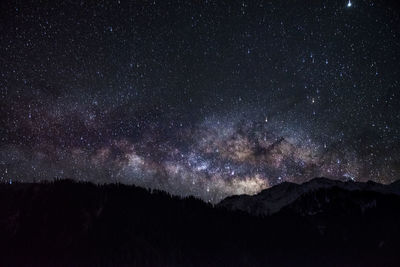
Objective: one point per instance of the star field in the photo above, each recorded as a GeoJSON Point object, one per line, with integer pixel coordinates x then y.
{"type": "Point", "coordinates": [204, 98]}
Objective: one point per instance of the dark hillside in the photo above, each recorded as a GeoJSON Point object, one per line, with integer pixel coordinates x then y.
{"type": "Point", "coordinates": [81, 224]}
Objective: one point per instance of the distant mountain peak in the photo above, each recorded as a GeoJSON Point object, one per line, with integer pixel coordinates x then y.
{"type": "Point", "coordinates": [273, 199]}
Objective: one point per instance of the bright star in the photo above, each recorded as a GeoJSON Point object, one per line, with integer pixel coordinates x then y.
{"type": "Point", "coordinates": [349, 4]}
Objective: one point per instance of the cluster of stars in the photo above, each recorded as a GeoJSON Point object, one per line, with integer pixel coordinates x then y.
{"type": "Point", "coordinates": [203, 98]}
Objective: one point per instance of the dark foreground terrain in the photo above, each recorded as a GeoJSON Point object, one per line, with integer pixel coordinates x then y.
{"type": "Point", "coordinates": [80, 224]}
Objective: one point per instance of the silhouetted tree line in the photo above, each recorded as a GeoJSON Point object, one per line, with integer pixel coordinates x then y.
{"type": "Point", "coordinates": [81, 224]}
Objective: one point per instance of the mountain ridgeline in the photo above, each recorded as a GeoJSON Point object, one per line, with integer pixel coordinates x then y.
{"type": "Point", "coordinates": [274, 199]}
{"type": "Point", "coordinates": [319, 223]}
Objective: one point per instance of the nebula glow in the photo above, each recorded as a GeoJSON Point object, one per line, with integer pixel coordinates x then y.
{"type": "Point", "coordinates": [214, 159]}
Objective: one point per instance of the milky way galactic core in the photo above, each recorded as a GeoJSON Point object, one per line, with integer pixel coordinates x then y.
{"type": "Point", "coordinates": [203, 98]}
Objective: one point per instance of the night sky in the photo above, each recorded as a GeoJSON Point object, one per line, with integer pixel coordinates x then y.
{"type": "Point", "coordinates": [203, 98]}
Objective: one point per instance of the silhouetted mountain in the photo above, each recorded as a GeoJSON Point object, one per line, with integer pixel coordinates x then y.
{"type": "Point", "coordinates": [395, 187]}
{"type": "Point", "coordinates": [81, 224]}
{"type": "Point", "coordinates": [273, 199]}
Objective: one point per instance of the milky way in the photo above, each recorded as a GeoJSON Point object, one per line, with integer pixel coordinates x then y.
{"type": "Point", "coordinates": [207, 99]}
